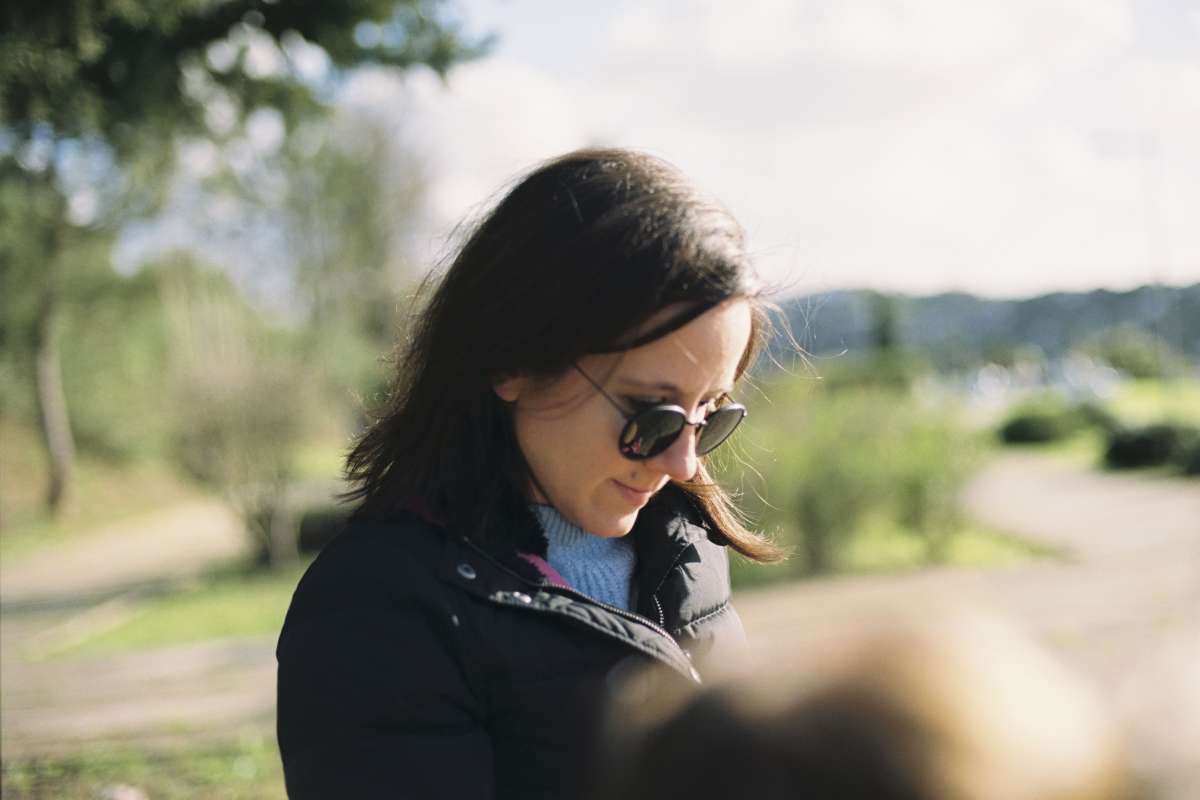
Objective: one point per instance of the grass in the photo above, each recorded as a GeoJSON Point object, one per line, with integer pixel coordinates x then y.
{"type": "Point", "coordinates": [1135, 403]}
{"type": "Point", "coordinates": [883, 546]}
{"type": "Point", "coordinates": [1084, 449]}
{"type": "Point", "coordinates": [244, 768]}
{"type": "Point", "coordinates": [228, 604]}
{"type": "Point", "coordinates": [1148, 401]}
{"type": "Point", "coordinates": [235, 603]}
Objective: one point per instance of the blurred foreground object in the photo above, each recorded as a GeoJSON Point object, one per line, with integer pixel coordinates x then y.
{"type": "Point", "coordinates": [959, 709]}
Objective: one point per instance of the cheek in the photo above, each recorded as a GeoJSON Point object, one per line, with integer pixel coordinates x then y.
{"type": "Point", "coordinates": [564, 451]}
{"type": "Point", "coordinates": [570, 453]}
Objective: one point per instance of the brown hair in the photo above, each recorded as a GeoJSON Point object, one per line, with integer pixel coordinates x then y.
{"type": "Point", "coordinates": [574, 260]}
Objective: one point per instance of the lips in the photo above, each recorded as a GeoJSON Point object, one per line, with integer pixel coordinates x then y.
{"type": "Point", "coordinates": [637, 497]}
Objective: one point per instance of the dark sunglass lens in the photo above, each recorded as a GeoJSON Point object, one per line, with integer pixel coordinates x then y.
{"type": "Point", "coordinates": [721, 423]}
{"type": "Point", "coordinates": [651, 432]}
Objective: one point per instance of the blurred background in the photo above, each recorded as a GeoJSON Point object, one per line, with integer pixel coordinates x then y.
{"type": "Point", "coordinates": [979, 224]}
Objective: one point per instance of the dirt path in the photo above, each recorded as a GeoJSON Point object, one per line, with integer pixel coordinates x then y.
{"type": "Point", "coordinates": [1123, 606]}
{"type": "Point", "coordinates": [161, 546]}
{"type": "Point", "coordinates": [73, 588]}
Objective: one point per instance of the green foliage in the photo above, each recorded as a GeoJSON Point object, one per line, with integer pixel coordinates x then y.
{"type": "Point", "coordinates": [116, 68]}
{"type": "Point", "coordinates": [1136, 352]}
{"type": "Point", "coordinates": [244, 766]}
{"type": "Point", "coordinates": [24, 248]}
{"type": "Point", "coordinates": [840, 462]}
{"type": "Point", "coordinates": [1050, 418]}
{"type": "Point", "coordinates": [930, 473]}
{"type": "Point", "coordinates": [884, 335]}
{"type": "Point", "coordinates": [240, 410]}
{"type": "Point", "coordinates": [890, 370]}
{"type": "Point", "coordinates": [92, 97]}
{"type": "Point", "coordinates": [1148, 401]}
{"type": "Point", "coordinates": [1189, 458]}
{"type": "Point", "coordinates": [1152, 446]}
{"type": "Point", "coordinates": [220, 606]}
{"type": "Point", "coordinates": [348, 201]}
{"type": "Point", "coordinates": [114, 355]}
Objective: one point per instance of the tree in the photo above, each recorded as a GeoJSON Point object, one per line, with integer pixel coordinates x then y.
{"type": "Point", "coordinates": [93, 95]}
{"type": "Point", "coordinates": [1136, 352]}
{"type": "Point", "coordinates": [338, 204]}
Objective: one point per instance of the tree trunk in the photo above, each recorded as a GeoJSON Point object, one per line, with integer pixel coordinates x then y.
{"type": "Point", "coordinates": [52, 406]}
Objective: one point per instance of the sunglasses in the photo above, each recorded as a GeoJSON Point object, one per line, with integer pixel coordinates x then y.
{"type": "Point", "coordinates": [648, 433]}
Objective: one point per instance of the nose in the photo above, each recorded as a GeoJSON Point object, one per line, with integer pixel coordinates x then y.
{"type": "Point", "coordinates": [679, 461]}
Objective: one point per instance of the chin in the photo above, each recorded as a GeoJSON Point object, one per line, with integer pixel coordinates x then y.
{"type": "Point", "coordinates": [624, 524]}
{"type": "Point", "coordinates": [613, 527]}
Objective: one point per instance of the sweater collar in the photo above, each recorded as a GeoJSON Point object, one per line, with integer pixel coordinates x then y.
{"type": "Point", "coordinates": [665, 527]}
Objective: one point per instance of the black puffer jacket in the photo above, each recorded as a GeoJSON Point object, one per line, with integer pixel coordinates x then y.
{"type": "Point", "coordinates": [414, 663]}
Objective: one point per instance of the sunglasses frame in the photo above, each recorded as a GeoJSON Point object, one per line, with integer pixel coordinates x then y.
{"type": "Point", "coordinates": [631, 419]}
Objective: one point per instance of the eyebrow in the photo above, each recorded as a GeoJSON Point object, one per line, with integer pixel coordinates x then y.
{"type": "Point", "coordinates": [668, 388]}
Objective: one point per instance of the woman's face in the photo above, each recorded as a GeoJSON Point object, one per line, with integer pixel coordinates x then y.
{"type": "Point", "coordinates": [568, 431]}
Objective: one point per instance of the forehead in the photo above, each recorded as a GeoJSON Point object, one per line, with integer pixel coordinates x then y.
{"type": "Point", "coordinates": [699, 357]}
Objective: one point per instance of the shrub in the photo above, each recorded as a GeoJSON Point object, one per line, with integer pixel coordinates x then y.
{"type": "Point", "coordinates": [832, 461]}
{"type": "Point", "coordinates": [887, 371]}
{"type": "Point", "coordinates": [1095, 416]}
{"type": "Point", "coordinates": [1049, 419]}
{"type": "Point", "coordinates": [929, 474]}
{"type": "Point", "coordinates": [1045, 420]}
{"type": "Point", "coordinates": [1189, 459]}
{"type": "Point", "coordinates": [1137, 353]}
{"type": "Point", "coordinates": [239, 411]}
{"type": "Point", "coordinates": [1149, 446]}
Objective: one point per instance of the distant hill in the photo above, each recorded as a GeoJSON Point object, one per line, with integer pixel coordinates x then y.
{"type": "Point", "coordinates": [958, 328]}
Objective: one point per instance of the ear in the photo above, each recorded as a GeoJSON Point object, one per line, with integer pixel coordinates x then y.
{"type": "Point", "coordinates": [509, 389]}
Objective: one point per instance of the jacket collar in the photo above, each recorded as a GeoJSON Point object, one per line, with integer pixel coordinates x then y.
{"type": "Point", "coordinates": [665, 528]}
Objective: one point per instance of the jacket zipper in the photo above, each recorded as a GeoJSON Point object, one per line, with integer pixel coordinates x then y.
{"type": "Point", "coordinates": [607, 607]}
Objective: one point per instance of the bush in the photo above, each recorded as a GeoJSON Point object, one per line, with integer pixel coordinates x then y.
{"type": "Point", "coordinates": [1049, 419]}
{"type": "Point", "coordinates": [1095, 416]}
{"type": "Point", "coordinates": [1046, 420]}
{"type": "Point", "coordinates": [886, 371]}
{"type": "Point", "coordinates": [240, 411]}
{"type": "Point", "coordinates": [929, 474]}
{"type": "Point", "coordinates": [1151, 446]}
{"type": "Point", "coordinates": [1189, 459]}
{"type": "Point", "coordinates": [834, 461]}
{"type": "Point", "coordinates": [114, 353]}
{"type": "Point", "coordinates": [1137, 353]}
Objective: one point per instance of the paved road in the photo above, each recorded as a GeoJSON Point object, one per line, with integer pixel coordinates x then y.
{"type": "Point", "coordinates": [1123, 606]}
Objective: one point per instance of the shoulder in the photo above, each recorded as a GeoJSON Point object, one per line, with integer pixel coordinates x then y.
{"type": "Point", "coordinates": [371, 566]}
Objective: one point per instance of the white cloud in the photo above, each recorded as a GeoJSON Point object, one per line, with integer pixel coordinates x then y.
{"type": "Point", "coordinates": [1002, 148]}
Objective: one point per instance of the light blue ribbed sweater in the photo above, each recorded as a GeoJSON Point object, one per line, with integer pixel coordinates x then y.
{"type": "Point", "coordinates": [599, 566]}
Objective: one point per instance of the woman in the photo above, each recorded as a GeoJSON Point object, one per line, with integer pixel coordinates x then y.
{"type": "Point", "coordinates": [534, 511]}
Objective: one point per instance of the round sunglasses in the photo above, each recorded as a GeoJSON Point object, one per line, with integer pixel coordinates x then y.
{"type": "Point", "coordinates": [651, 431]}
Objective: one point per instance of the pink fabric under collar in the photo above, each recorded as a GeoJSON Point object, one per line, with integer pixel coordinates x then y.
{"type": "Point", "coordinates": [418, 506]}
{"type": "Point", "coordinates": [547, 571]}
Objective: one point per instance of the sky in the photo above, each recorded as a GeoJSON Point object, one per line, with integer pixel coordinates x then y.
{"type": "Point", "coordinates": [1006, 149]}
